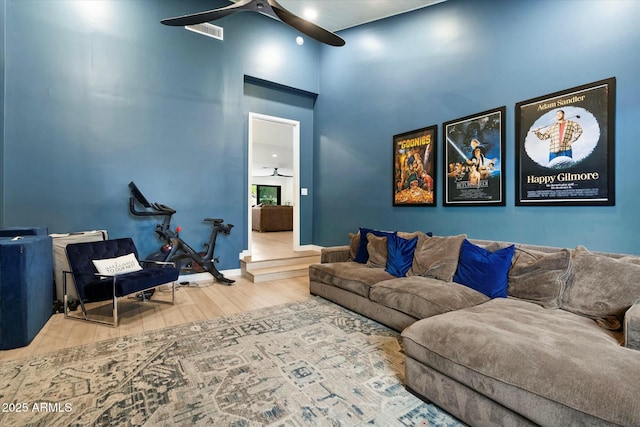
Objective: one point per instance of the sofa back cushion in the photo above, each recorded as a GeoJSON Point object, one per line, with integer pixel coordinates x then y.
{"type": "Point", "coordinates": [539, 277]}
{"type": "Point", "coordinates": [602, 287]}
{"type": "Point", "coordinates": [418, 234]}
{"type": "Point", "coordinates": [362, 255]}
{"type": "Point", "coordinates": [377, 249]}
{"type": "Point", "coordinates": [436, 257]}
{"type": "Point", "coordinates": [354, 244]}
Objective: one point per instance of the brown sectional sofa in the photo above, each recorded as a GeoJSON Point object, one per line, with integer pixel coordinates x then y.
{"type": "Point", "coordinates": [560, 350]}
{"type": "Point", "coordinates": [272, 218]}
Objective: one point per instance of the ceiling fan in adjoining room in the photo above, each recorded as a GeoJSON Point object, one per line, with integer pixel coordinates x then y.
{"type": "Point", "coordinates": [266, 7]}
{"type": "Point", "coordinates": [276, 173]}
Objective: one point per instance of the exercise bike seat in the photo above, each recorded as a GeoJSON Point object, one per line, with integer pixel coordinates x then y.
{"type": "Point", "coordinates": [214, 221]}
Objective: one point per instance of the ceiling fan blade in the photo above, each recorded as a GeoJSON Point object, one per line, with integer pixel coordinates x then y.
{"type": "Point", "coordinates": [210, 15]}
{"type": "Point", "coordinates": [276, 173]}
{"type": "Point", "coordinates": [306, 27]}
{"type": "Point", "coordinates": [266, 7]}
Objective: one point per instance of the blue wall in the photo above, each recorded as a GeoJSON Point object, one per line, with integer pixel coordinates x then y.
{"type": "Point", "coordinates": [100, 93]}
{"type": "Point", "coordinates": [93, 103]}
{"type": "Point", "coordinates": [2, 155]}
{"type": "Point", "coordinates": [459, 58]}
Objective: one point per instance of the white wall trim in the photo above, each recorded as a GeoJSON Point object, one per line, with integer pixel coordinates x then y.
{"type": "Point", "coordinates": [295, 128]}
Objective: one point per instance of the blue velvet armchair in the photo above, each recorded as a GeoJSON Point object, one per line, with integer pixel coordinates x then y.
{"type": "Point", "coordinates": [94, 286]}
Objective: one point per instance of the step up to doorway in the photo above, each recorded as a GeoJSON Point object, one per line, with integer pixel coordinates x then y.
{"type": "Point", "coordinates": [263, 271]}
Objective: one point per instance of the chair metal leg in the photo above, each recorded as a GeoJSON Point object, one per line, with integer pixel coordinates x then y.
{"type": "Point", "coordinates": [115, 305]}
{"type": "Point", "coordinates": [65, 298]}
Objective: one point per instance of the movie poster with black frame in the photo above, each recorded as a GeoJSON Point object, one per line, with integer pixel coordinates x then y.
{"type": "Point", "coordinates": [414, 167]}
{"type": "Point", "coordinates": [565, 147]}
{"type": "Point", "coordinates": [473, 160]}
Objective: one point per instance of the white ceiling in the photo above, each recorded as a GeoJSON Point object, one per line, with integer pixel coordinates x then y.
{"type": "Point", "coordinates": [271, 138]}
{"type": "Point", "coordinates": [336, 15]}
{"type": "Point", "coordinates": [272, 148]}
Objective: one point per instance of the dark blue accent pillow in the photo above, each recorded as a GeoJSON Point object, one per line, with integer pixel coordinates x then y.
{"type": "Point", "coordinates": [362, 256]}
{"type": "Point", "coordinates": [400, 255]}
{"type": "Point", "coordinates": [484, 271]}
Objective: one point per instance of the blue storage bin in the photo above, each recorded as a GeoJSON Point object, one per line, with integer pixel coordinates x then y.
{"type": "Point", "coordinates": [26, 288]}
{"type": "Point", "coordinates": [23, 231]}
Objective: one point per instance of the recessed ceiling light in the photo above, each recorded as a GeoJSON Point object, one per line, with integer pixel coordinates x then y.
{"type": "Point", "coordinates": [274, 155]}
{"type": "Point", "coordinates": [299, 40]}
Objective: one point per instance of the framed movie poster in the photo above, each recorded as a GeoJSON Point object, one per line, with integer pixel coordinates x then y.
{"type": "Point", "coordinates": [565, 147]}
{"type": "Point", "coordinates": [474, 159]}
{"type": "Point", "coordinates": [414, 167]}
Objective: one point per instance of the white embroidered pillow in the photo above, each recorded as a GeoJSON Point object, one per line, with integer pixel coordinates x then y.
{"type": "Point", "coordinates": [120, 265]}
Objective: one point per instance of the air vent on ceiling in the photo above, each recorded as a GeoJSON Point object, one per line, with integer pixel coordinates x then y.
{"type": "Point", "coordinates": [208, 30]}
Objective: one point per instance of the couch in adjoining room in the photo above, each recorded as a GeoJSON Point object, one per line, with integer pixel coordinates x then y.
{"type": "Point", "coordinates": [498, 333]}
{"type": "Point", "coordinates": [272, 218]}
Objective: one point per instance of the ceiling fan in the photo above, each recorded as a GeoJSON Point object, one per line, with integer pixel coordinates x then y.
{"type": "Point", "coordinates": [266, 7]}
{"type": "Point", "coordinates": [276, 173]}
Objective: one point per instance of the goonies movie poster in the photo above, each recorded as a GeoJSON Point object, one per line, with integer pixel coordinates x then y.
{"type": "Point", "coordinates": [565, 147]}
{"type": "Point", "coordinates": [414, 157]}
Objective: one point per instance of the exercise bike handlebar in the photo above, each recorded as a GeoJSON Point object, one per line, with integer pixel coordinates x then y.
{"type": "Point", "coordinates": [157, 209]}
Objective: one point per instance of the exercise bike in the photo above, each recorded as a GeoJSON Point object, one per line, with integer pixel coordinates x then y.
{"type": "Point", "coordinates": [174, 248]}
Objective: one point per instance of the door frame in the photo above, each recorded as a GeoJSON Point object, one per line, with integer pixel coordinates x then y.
{"type": "Point", "coordinates": [295, 129]}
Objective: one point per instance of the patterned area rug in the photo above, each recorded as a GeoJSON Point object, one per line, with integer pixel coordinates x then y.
{"type": "Point", "coordinates": [301, 364]}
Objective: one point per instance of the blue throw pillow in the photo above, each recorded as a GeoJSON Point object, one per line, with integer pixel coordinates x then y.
{"type": "Point", "coordinates": [400, 255]}
{"type": "Point", "coordinates": [362, 256]}
{"type": "Point", "coordinates": [484, 271]}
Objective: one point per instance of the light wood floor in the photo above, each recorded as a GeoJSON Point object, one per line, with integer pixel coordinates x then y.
{"type": "Point", "coordinates": [273, 245]}
{"type": "Point", "coordinates": [192, 303]}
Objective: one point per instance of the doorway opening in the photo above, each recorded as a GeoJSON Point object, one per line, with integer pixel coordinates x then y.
{"type": "Point", "coordinates": [273, 166]}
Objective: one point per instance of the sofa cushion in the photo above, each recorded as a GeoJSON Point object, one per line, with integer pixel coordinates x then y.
{"type": "Point", "coordinates": [351, 276]}
{"type": "Point", "coordinates": [437, 257]}
{"type": "Point", "coordinates": [521, 354]}
{"type": "Point", "coordinates": [539, 277]}
{"type": "Point", "coordinates": [418, 234]}
{"type": "Point", "coordinates": [483, 270]}
{"type": "Point", "coordinates": [592, 292]}
{"type": "Point", "coordinates": [400, 255]}
{"type": "Point", "coordinates": [354, 244]}
{"type": "Point", "coordinates": [377, 249]}
{"type": "Point", "coordinates": [129, 283]}
{"type": "Point", "coordinates": [362, 255]}
{"type": "Point", "coordinates": [422, 297]}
